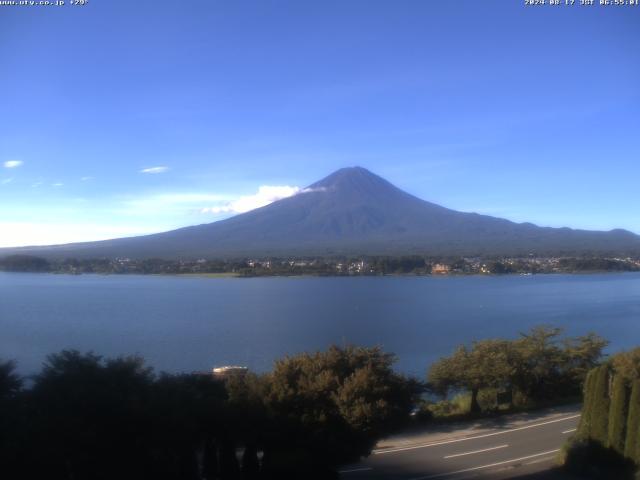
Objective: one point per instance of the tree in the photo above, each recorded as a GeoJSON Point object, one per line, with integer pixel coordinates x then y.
{"type": "Point", "coordinates": [584, 428]}
{"type": "Point", "coordinates": [618, 413]}
{"type": "Point", "coordinates": [486, 365]}
{"type": "Point", "coordinates": [581, 354]}
{"type": "Point", "coordinates": [90, 417]}
{"type": "Point", "coordinates": [10, 382]}
{"type": "Point", "coordinates": [247, 416]}
{"type": "Point", "coordinates": [549, 367]}
{"type": "Point", "coordinates": [539, 359]}
{"type": "Point", "coordinates": [538, 365]}
{"type": "Point", "coordinates": [611, 407]}
{"type": "Point", "coordinates": [600, 406]}
{"type": "Point", "coordinates": [627, 364]}
{"type": "Point", "coordinates": [632, 443]}
{"type": "Point", "coordinates": [185, 414]}
{"type": "Point", "coordinates": [332, 406]}
{"type": "Point", "coordinates": [608, 443]}
{"type": "Point", "coordinates": [11, 417]}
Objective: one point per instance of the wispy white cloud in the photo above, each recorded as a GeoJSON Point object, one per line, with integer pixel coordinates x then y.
{"type": "Point", "coordinates": [12, 163]}
{"type": "Point", "coordinates": [57, 184]}
{"type": "Point", "coordinates": [159, 169]}
{"type": "Point", "coordinates": [168, 203]}
{"type": "Point", "coordinates": [6, 181]}
{"type": "Point", "coordinates": [36, 184]}
{"type": "Point", "coordinates": [85, 179]}
{"type": "Point", "coordinates": [265, 195]}
{"type": "Point", "coordinates": [170, 199]}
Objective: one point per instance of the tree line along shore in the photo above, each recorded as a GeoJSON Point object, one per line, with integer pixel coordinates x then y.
{"type": "Point", "coordinates": [88, 417]}
{"type": "Point", "coordinates": [334, 266]}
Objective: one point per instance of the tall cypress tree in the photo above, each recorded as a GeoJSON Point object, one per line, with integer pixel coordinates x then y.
{"type": "Point", "coordinates": [618, 413]}
{"type": "Point", "coordinates": [600, 411]}
{"type": "Point", "coordinates": [584, 429]}
{"type": "Point", "coordinates": [632, 443]}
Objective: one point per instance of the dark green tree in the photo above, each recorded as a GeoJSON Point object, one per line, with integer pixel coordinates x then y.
{"type": "Point", "coordinates": [89, 417]}
{"type": "Point", "coordinates": [618, 413]}
{"type": "Point", "coordinates": [12, 431]}
{"type": "Point", "coordinates": [539, 361]}
{"type": "Point", "coordinates": [548, 366]}
{"type": "Point", "coordinates": [333, 406]}
{"type": "Point", "coordinates": [581, 354]}
{"type": "Point", "coordinates": [539, 366]}
{"type": "Point", "coordinates": [627, 364]}
{"type": "Point", "coordinates": [632, 443]}
{"type": "Point", "coordinates": [600, 406]}
{"type": "Point", "coordinates": [584, 428]}
{"type": "Point", "coordinates": [248, 419]}
{"type": "Point", "coordinates": [10, 381]}
{"type": "Point", "coordinates": [488, 364]}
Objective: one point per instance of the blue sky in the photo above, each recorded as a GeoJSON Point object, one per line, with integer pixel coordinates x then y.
{"type": "Point", "coordinates": [528, 113]}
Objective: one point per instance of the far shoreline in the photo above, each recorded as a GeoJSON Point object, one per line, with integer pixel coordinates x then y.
{"type": "Point", "coordinates": [227, 275]}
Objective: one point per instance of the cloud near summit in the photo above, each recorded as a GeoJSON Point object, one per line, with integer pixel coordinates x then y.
{"type": "Point", "coordinates": [265, 195]}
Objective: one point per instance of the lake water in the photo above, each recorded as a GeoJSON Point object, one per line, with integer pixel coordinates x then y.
{"type": "Point", "coordinates": [192, 323]}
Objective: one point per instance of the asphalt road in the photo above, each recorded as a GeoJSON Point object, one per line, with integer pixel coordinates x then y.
{"type": "Point", "coordinates": [503, 450]}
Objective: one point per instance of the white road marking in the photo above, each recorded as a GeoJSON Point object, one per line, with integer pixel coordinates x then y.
{"type": "Point", "coordinates": [446, 442]}
{"type": "Point", "coordinates": [570, 431]}
{"type": "Point", "coordinates": [540, 460]}
{"type": "Point", "coordinates": [497, 464]}
{"type": "Point", "coordinates": [363, 469]}
{"type": "Point", "coordinates": [476, 451]}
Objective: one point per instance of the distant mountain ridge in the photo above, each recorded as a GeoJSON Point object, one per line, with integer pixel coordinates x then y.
{"type": "Point", "coordinates": [352, 212]}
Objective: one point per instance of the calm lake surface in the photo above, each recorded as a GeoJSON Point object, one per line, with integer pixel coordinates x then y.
{"type": "Point", "coordinates": [192, 323]}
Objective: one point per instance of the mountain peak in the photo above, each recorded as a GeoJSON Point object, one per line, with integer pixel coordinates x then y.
{"type": "Point", "coordinates": [353, 212]}
{"type": "Point", "coordinates": [354, 179]}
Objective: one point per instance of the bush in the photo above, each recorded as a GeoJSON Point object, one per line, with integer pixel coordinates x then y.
{"type": "Point", "coordinates": [444, 408]}
{"type": "Point", "coordinates": [591, 459]}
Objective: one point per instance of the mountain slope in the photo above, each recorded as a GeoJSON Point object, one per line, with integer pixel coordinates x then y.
{"type": "Point", "coordinates": [353, 212]}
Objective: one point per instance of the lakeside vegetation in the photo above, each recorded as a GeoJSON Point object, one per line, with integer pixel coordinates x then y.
{"type": "Point", "coordinates": [86, 417]}
{"type": "Point", "coordinates": [539, 368]}
{"type": "Point", "coordinates": [337, 266]}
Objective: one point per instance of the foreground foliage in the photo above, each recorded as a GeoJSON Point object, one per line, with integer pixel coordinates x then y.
{"type": "Point", "coordinates": [86, 417]}
{"type": "Point", "coordinates": [607, 444]}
